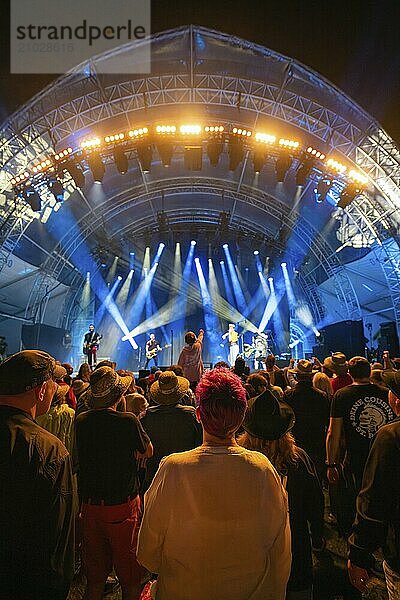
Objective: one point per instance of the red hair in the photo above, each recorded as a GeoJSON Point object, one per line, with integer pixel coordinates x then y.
{"type": "Point", "coordinates": [222, 403]}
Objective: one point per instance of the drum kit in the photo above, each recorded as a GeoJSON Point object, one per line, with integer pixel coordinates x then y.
{"type": "Point", "coordinates": [258, 350]}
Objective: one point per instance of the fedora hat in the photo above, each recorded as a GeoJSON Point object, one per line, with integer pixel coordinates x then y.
{"type": "Point", "coordinates": [267, 418]}
{"type": "Point", "coordinates": [304, 367]}
{"type": "Point", "coordinates": [169, 388]}
{"type": "Point", "coordinates": [336, 362]}
{"type": "Point", "coordinates": [106, 387]}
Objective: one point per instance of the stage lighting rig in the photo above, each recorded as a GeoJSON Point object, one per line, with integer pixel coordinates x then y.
{"type": "Point", "coordinates": [31, 196]}
{"type": "Point", "coordinates": [57, 190]}
{"type": "Point", "coordinates": [265, 138]}
{"type": "Point", "coordinates": [282, 166]}
{"type": "Point", "coordinates": [215, 143]}
{"type": "Point", "coordinates": [145, 156]}
{"type": "Point", "coordinates": [334, 165]}
{"type": "Point", "coordinates": [235, 152]}
{"type": "Point", "coordinates": [304, 170]}
{"type": "Point", "coordinates": [193, 158]}
{"type": "Point", "coordinates": [349, 193]}
{"type": "Point", "coordinates": [322, 189]}
{"type": "Point", "coordinates": [75, 170]}
{"type": "Point", "coordinates": [97, 167]}
{"type": "Point", "coordinates": [121, 160]}
{"type": "Point", "coordinates": [259, 157]}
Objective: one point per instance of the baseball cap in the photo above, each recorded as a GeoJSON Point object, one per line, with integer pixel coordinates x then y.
{"type": "Point", "coordinates": [26, 370]}
{"type": "Point", "coordinates": [392, 380]}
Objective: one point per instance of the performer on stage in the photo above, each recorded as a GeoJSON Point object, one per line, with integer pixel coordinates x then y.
{"type": "Point", "coordinates": [233, 338]}
{"type": "Point", "coordinates": [152, 349]}
{"type": "Point", "coordinates": [260, 342]}
{"type": "Point", "coordinates": [91, 344]}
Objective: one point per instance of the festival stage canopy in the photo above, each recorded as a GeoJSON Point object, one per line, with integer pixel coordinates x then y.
{"type": "Point", "coordinates": [345, 256]}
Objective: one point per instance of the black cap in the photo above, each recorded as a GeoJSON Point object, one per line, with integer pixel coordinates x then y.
{"type": "Point", "coordinates": [392, 380]}
{"type": "Point", "coordinates": [26, 370]}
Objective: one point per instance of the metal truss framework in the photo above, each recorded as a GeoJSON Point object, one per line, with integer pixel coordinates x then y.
{"type": "Point", "coordinates": [76, 102]}
{"type": "Point", "coordinates": [305, 237]}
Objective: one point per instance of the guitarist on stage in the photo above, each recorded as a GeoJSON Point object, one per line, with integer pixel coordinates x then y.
{"type": "Point", "coordinates": [91, 344]}
{"type": "Point", "coordinates": [152, 349]}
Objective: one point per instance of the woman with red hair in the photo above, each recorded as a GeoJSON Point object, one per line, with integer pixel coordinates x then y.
{"type": "Point", "coordinates": [215, 522]}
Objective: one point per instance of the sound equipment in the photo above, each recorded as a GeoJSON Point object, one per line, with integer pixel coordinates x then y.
{"type": "Point", "coordinates": [389, 339]}
{"type": "Point", "coordinates": [47, 338]}
{"type": "Point", "coordinates": [345, 336]}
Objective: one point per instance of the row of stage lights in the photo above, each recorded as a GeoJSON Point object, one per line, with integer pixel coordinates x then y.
{"type": "Point", "coordinates": [68, 159]}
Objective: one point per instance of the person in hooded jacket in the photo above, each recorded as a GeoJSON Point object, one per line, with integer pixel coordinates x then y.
{"type": "Point", "coordinates": [190, 358]}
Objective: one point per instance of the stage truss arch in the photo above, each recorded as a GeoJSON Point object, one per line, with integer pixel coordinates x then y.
{"type": "Point", "coordinates": [222, 77]}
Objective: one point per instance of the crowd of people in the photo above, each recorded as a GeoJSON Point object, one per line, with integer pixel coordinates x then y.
{"type": "Point", "coordinates": [207, 484]}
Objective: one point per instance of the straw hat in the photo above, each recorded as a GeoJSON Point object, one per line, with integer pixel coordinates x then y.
{"type": "Point", "coordinates": [169, 388]}
{"type": "Point", "coordinates": [336, 363]}
{"type": "Point", "coordinates": [106, 387]}
{"type": "Point", "coordinates": [304, 367]}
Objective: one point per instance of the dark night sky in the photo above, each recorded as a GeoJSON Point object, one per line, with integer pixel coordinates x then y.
{"type": "Point", "coordinates": [355, 45]}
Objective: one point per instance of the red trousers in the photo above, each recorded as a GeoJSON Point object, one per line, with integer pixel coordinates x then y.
{"type": "Point", "coordinates": [109, 540]}
{"type": "Point", "coordinates": [92, 356]}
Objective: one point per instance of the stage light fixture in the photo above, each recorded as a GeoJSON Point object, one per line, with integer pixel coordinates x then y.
{"type": "Point", "coordinates": [235, 152]}
{"type": "Point", "coordinates": [270, 280]}
{"type": "Point", "coordinates": [221, 262]}
{"type": "Point", "coordinates": [165, 150]}
{"type": "Point", "coordinates": [282, 166]}
{"type": "Point", "coordinates": [89, 144]}
{"type": "Point", "coordinates": [283, 265]}
{"type": "Point", "coordinates": [304, 171]}
{"type": "Point", "coordinates": [256, 252]}
{"type": "Point", "coordinates": [336, 166]}
{"type": "Point", "coordinates": [121, 160]}
{"type": "Point", "coordinates": [138, 133]}
{"type": "Point", "coordinates": [259, 157]}
{"type": "Point", "coordinates": [97, 167]}
{"type": "Point", "coordinates": [214, 129]}
{"type": "Point", "coordinates": [349, 193]}
{"type": "Point", "coordinates": [322, 189]}
{"type": "Point", "coordinates": [190, 129]}
{"type": "Point", "coordinates": [19, 178]}
{"type": "Point", "coordinates": [57, 190]}
{"type": "Point", "coordinates": [193, 243]}
{"type": "Point", "coordinates": [145, 156]}
{"type": "Point", "coordinates": [193, 158]}
{"type": "Point", "coordinates": [119, 278]}
{"type": "Point", "coordinates": [42, 166]}
{"type": "Point", "coordinates": [315, 153]}
{"type": "Point", "coordinates": [214, 151]}
{"type": "Point", "coordinates": [265, 138]}
{"type": "Point", "coordinates": [118, 137]}
{"type": "Point", "coordinates": [76, 173]}
{"type": "Point", "coordinates": [358, 177]}
{"type": "Point", "coordinates": [288, 144]}
{"type": "Point", "coordinates": [31, 196]}
{"type": "Point", "coordinates": [63, 154]}
{"type": "Point", "coordinates": [224, 246]}
{"type": "Point", "coordinates": [242, 132]}
{"type": "Point", "coordinates": [165, 129]}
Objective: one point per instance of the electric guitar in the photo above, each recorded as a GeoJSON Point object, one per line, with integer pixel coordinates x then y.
{"type": "Point", "coordinates": [152, 353]}
{"type": "Point", "coordinates": [90, 347]}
